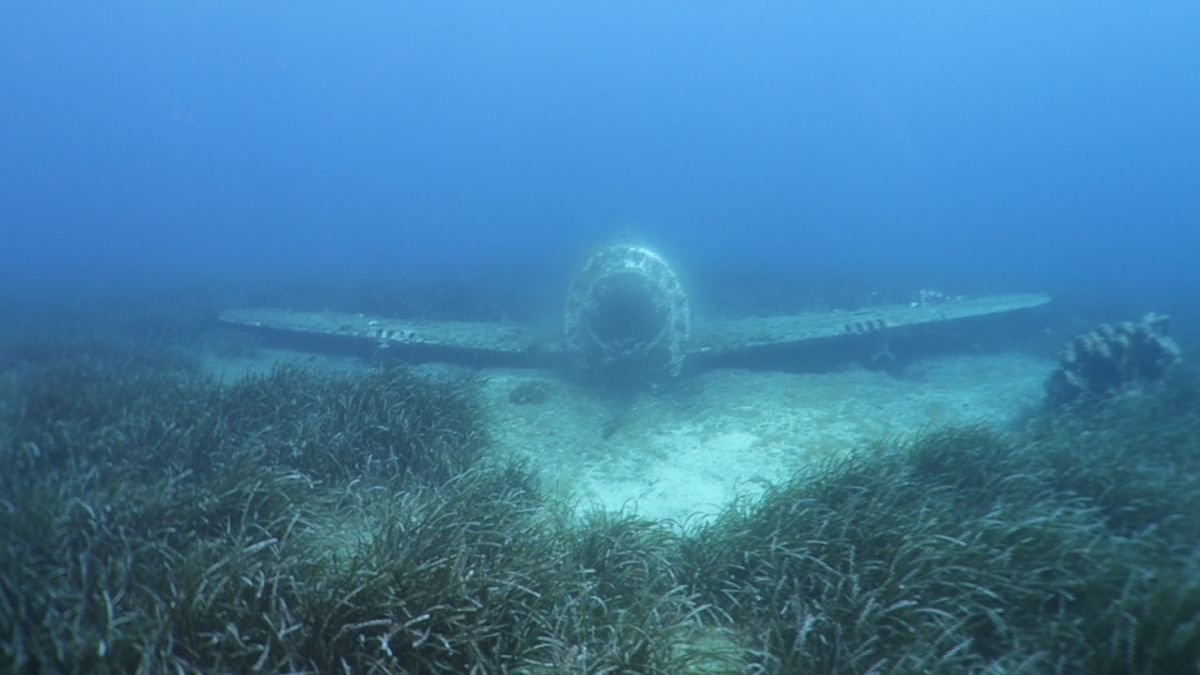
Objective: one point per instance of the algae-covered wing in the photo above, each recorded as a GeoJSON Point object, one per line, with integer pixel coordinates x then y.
{"type": "Point", "coordinates": [469, 336]}
{"type": "Point", "coordinates": [731, 336]}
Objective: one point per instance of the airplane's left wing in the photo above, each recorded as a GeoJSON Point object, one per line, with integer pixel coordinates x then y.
{"type": "Point", "coordinates": [478, 336]}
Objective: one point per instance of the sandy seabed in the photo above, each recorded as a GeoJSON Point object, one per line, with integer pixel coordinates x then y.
{"type": "Point", "coordinates": [688, 452]}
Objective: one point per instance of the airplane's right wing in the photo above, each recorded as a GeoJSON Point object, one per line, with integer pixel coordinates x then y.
{"type": "Point", "coordinates": [729, 336]}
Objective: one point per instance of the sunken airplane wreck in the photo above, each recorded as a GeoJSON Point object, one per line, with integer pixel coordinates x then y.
{"type": "Point", "coordinates": [628, 318]}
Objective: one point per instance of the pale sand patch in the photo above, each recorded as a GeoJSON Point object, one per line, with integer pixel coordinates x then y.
{"type": "Point", "coordinates": [687, 452]}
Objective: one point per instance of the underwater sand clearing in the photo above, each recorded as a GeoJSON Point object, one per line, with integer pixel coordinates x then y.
{"type": "Point", "coordinates": [725, 433]}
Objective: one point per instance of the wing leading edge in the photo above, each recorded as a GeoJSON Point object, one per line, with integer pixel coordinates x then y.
{"type": "Point", "coordinates": [730, 336]}
{"type": "Point", "coordinates": [718, 338]}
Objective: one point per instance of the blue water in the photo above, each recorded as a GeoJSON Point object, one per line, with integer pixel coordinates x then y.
{"type": "Point", "coordinates": [1017, 146]}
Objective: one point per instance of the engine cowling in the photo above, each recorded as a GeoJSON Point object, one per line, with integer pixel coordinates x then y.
{"type": "Point", "coordinates": [627, 317]}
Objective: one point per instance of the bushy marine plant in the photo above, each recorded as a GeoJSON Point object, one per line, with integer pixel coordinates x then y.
{"type": "Point", "coordinates": [967, 551]}
{"type": "Point", "coordinates": [153, 521]}
{"type": "Point", "coordinates": [134, 498]}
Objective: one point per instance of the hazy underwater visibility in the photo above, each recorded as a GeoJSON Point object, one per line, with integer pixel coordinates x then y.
{"type": "Point", "coordinates": [652, 337]}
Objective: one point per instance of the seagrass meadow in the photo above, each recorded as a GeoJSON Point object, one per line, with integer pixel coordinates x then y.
{"type": "Point", "coordinates": [154, 519]}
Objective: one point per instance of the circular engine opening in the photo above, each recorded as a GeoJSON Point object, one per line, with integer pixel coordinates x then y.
{"type": "Point", "coordinates": [627, 313]}
{"type": "Point", "coordinates": [627, 317]}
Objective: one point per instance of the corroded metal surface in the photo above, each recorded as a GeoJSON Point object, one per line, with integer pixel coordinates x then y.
{"type": "Point", "coordinates": [627, 312]}
{"type": "Point", "coordinates": [715, 338]}
{"type": "Point", "coordinates": [501, 338]}
{"type": "Point", "coordinates": [730, 336]}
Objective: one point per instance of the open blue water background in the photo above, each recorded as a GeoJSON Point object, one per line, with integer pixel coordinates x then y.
{"type": "Point", "coordinates": [1015, 146]}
